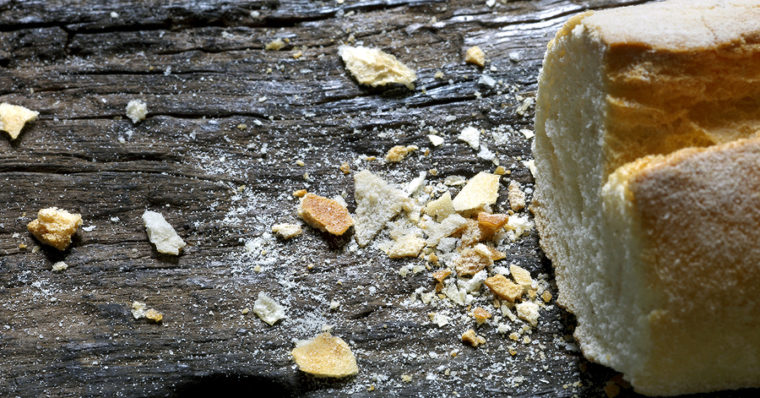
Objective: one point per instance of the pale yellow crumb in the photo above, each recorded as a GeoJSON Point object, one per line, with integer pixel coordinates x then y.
{"type": "Point", "coordinates": [55, 227]}
{"type": "Point", "coordinates": [325, 356]}
{"type": "Point", "coordinates": [373, 67]}
{"type": "Point", "coordinates": [399, 152]}
{"type": "Point", "coordinates": [471, 338]}
{"type": "Point", "coordinates": [275, 45]}
{"type": "Point", "coordinates": [474, 55]}
{"type": "Point", "coordinates": [516, 196]}
{"type": "Point", "coordinates": [14, 117]}
{"type": "Point", "coordinates": [287, 231]}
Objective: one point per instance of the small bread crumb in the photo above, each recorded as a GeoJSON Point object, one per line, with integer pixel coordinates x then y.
{"type": "Point", "coordinates": [474, 55]}
{"type": "Point", "coordinates": [60, 266]}
{"type": "Point", "coordinates": [528, 311]}
{"type": "Point", "coordinates": [471, 261]}
{"type": "Point", "coordinates": [546, 296]}
{"type": "Point", "coordinates": [399, 152]}
{"type": "Point", "coordinates": [441, 207]}
{"type": "Point", "coordinates": [137, 110]}
{"type": "Point", "coordinates": [481, 190]}
{"type": "Point", "coordinates": [441, 275]}
{"type": "Point", "coordinates": [406, 246]}
{"type": "Point", "coordinates": [267, 309]}
{"type": "Point", "coordinates": [471, 338]}
{"type": "Point", "coordinates": [435, 140]}
{"type": "Point", "coordinates": [275, 45]}
{"type": "Point", "coordinates": [14, 117]}
{"type": "Point", "coordinates": [471, 136]}
{"type": "Point", "coordinates": [500, 170]}
{"type": "Point", "coordinates": [504, 288]}
{"type": "Point", "coordinates": [140, 310]}
{"type": "Point", "coordinates": [516, 196]}
{"type": "Point", "coordinates": [55, 227]}
{"type": "Point", "coordinates": [299, 193]}
{"type": "Point", "coordinates": [521, 276]}
{"type": "Point", "coordinates": [345, 168]}
{"type": "Point", "coordinates": [162, 234]}
{"type": "Point", "coordinates": [375, 68]}
{"type": "Point", "coordinates": [154, 316]}
{"type": "Point", "coordinates": [481, 315]}
{"type": "Point", "coordinates": [325, 214]}
{"type": "Point", "coordinates": [325, 356]}
{"type": "Point", "coordinates": [287, 231]}
{"type": "Point", "coordinates": [490, 223]}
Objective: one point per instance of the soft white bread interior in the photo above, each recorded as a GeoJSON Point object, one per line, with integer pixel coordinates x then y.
{"type": "Point", "coordinates": [651, 250]}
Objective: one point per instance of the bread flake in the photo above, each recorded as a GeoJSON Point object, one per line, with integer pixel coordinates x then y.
{"type": "Point", "coordinates": [375, 68]}
{"type": "Point", "coordinates": [13, 118]}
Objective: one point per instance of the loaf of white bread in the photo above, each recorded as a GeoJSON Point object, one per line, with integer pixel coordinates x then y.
{"type": "Point", "coordinates": [647, 193]}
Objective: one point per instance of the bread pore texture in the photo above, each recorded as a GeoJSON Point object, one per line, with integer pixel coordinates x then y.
{"type": "Point", "coordinates": [647, 195]}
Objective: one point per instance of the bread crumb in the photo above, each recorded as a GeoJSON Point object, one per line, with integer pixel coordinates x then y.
{"type": "Point", "coordinates": [504, 288]}
{"type": "Point", "coordinates": [297, 54]}
{"type": "Point", "coordinates": [546, 296]}
{"type": "Point", "coordinates": [162, 234]}
{"type": "Point", "coordinates": [299, 193]}
{"type": "Point", "coordinates": [14, 117]}
{"type": "Point", "coordinates": [60, 266]}
{"type": "Point", "coordinates": [300, 163]}
{"type": "Point", "coordinates": [267, 309]}
{"type": "Point", "coordinates": [399, 152]}
{"type": "Point", "coordinates": [373, 67]}
{"type": "Point", "coordinates": [406, 378]}
{"type": "Point", "coordinates": [55, 227]}
{"type": "Point", "coordinates": [441, 275]}
{"type": "Point", "coordinates": [474, 55]}
{"type": "Point", "coordinates": [516, 196]}
{"type": "Point", "coordinates": [137, 110]}
{"type": "Point", "coordinates": [435, 140]}
{"type": "Point", "coordinates": [481, 315]}
{"type": "Point", "coordinates": [491, 223]}
{"type": "Point", "coordinates": [521, 276]}
{"type": "Point", "coordinates": [471, 136]}
{"type": "Point", "coordinates": [528, 311]}
{"type": "Point", "coordinates": [471, 261]}
{"type": "Point", "coordinates": [140, 310]}
{"type": "Point", "coordinates": [325, 214]}
{"type": "Point", "coordinates": [471, 338]}
{"type": "Point", "coordinates": [481, 190]}
{"type": "Point", "coordinates": [345, 168]}
{"type": "Point", "coordinates": [441, 207]}
{"type": "Point", "coordinates": [447, 227]}
{"type": "Point", "coordinates": [275, 45]}
{"type": "Point", "coordinates": [245, 311]}
{"type": "Point", "coordinates": [377, 202]}
{"type": "Point", "coordinates": [325, 356]}
{"type": "Point", "coordinates": [406, 246]}
{"type": "Point", "coordinates": [287, 231]}
{"type": "Point", "coordinates": [438, 75]}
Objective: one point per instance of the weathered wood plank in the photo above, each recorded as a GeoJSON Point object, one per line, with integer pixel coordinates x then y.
{"type": "Point", "coordinates": [202, 70]}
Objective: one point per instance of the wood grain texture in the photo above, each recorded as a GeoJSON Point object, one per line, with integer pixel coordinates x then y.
{"type": "Point", "coordinates": [202, 69]}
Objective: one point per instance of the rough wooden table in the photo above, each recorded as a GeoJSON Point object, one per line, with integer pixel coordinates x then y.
{"type": "Point", "coordinates": [202, 69]}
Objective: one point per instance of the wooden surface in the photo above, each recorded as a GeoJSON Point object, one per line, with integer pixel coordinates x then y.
{"type": "Point", "coordinates": [202, 70]}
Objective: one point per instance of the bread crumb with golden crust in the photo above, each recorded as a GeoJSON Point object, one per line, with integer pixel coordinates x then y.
{"type": "Point", "coordinates": [491, 223]}
{"type": "Point", "coordinates": [287, 231]}
{"type": "Point", "coordinates": [474, 55]}
{"type": "Point", "coordinates": [325, 214]}
{"type": "Point", "coordinates": [521, 276]}
{"type": "Point", "coordinates": [471, 338]}
{"type": "Point", "coordinates": [481, 315]}
{"type": "Point", "coordinates": [399, 152]}
{"type": "Point", "coordinates": [372, 67]}
{"type": "Point", "coordinates": [60, 266]}
{"type": "Point", "coordinates": [504, 288]}
{"type": "Point", "coordinates": [345, 168]}
{"type": "Point", "coordinates": [299, 193]}
{"type": "Point", "coordinates": [14, 117]}
{"type": "Point", "coordinates": [325, 356]}
{"type": "Point", "coordinates": [471, 261]}
{"type": "Point", "coordinates": [55, 227]}
{"type": "Point", "coordinates": [140, 310]}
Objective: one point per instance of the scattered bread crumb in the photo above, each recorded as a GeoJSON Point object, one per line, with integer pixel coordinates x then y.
{"type": "Point", "coordinates": [287, 231]}
{"type": "Point", "coordinates": [14, 117]}
{"type": "Point", "coordinates": [471, 261]}
{"type": "Point", "coordinates": [481, 315]}
{"type": "Point", "coordinates": [521, 276]}
{"type": "Point", "coordinates": [140, 310]}
{"type": "Point", "coordinates": [481, 190]}
{"type": "Point", "coordinates": [299, 193]}
{"type": "Point", "coordinates": [267, 309]}
{"type": "Point", "coordinates": [474, 55]}
{"type": "Point", "coordinates": [528, 311]}
{"type": "Point", "coordinates": [516, 196]}
{"type": "Point", "coordinates": [406, 378]}
{"type": "Point", "coordinates": [377, 202]}
{"type": "Point", "coordinates": [447, 227]}
{"type": "Point", "coordinates": [441, 207]}
{"type": "Point", "coordinates": [325, 214]}
{"type": "Point", "coordinates": [399, 152]}
{"type": "Point", "coordinates": [275, 45]}
{"type": "Point", "coordinates": [500, 170]}
{"type": "Point", "coordinates": [55, 227]}
{"type": "Point", "coordinates": [162, 234]}
{"type": "Point", "coordinates": [471, 338]}
{"type": "Point", "coordinates": [60, 266]}
{"type": "Point", "coordinates": [137, 110]}
{"type": "Point", "coordinates": [438, 75]}
{"type": "Point", "coordinates": [345, 168]}
{"type": "Point", "coordinates": [441, 275]}
{"type": "Point", "coordinates": [435, 140]}
{"type": "Point", "coordinates": [373, 67]}
{"type": "Point", "coordinates": [325, 356]}
{"type": "Point", "coordinates": [489, 224]}
{"type": "Point", "coordinates": [546, 296]}
{"type": "Point", "coordinates": [471, 136]}
{"type": "Point", "coordinates": [503, 288]}
{"type": "Point", "coordinates": [406, 246]}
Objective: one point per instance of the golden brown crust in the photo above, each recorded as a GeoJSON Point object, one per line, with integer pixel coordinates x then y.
{"type": "Point", "coordinates": [55, 227]}
{"type": "Point", "coordinates": [325, 214]}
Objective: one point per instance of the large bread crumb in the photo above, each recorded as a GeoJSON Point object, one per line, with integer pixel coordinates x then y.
{"type": "Point", "coordinates": [137, 111]}
{"type": "Point", "coordinates": [14, 117]}
{"type": "Point", "coordinates": [399, 152]}
{"type": "Point", "coordinates": [325, 214]}
{"type": "Point", "coordinates": [267, 309]}
{"type": "Point", "coordinates": [140, 310]}
{"type": "Point", "coordinates": [55, 227]}
{"type": "Point", "coordinates": [375, 68]}
{"type": "Point", "coordinates": [377, 202]}
{"type": "Point", "coordinates": [406, 246]}
{"type": "Point", "coordinates": [504, 288]}
{"type": "Point", "coordinates": [528, 311]}
{"type": "Point", "coordinates": [481, 190]}
{"type": "Point", "coordinates": [325, 356]}
{"type": "Point", "coordinates": [161, 233]}
{"type": "Point", "coordinates": [474, 55]}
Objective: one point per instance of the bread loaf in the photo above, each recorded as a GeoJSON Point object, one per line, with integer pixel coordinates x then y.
{"type": "Point", "coordinates": [648, 189]}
